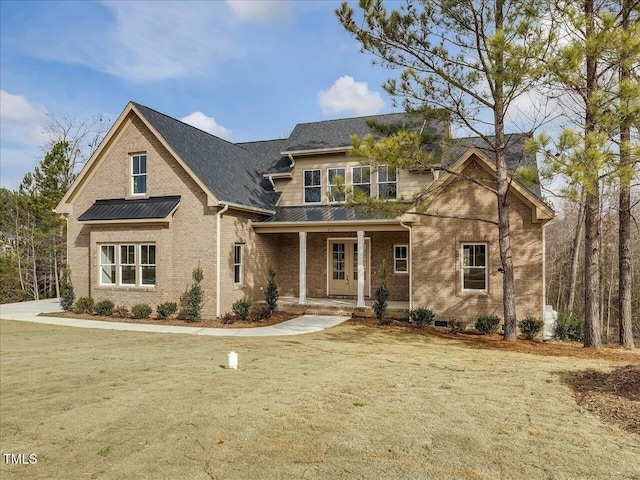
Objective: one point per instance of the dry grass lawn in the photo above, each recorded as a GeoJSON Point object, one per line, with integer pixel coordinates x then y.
{"type": "Point", "coordinates": [352, 402]}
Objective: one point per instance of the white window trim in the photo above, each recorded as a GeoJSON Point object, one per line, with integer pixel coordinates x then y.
{"type": "Point", "coordinates": [378, 182]}
{"type": "Point", "coordinates": [115, 264]}
{"type": "Point", "coordinates": [304, 187]}
{"type": "Point", "coordinates": [486, 268]}
{"type": "Point", "coordinates": [353, 184]}
{"type": "Point", "coordinates": [134, 175]}
{"type": "Point", "coordinates": [240, 264]}
{"type": "Point", "coordinates": [395, 259]}
{"type": "Point", "coordinates": [329, 185]}
{"type": "Point", "coordinates": [118, 265]}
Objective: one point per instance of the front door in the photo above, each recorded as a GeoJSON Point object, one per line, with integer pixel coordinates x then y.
{"type": "Point", "coordinates": [343, 267]}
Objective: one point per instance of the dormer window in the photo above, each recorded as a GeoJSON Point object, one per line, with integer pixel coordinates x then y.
{"type": "Point", "coordinates": [139, 174]}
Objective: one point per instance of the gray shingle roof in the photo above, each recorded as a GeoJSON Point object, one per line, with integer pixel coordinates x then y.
{"type": "Point", "coordinates": [122, 209]}
{"type": "Point", "coordinates": [327, 213]}
{"type": "Point", "coordinates": [230, 171]}
{"type": "Point", "coordinates": [337, 133]}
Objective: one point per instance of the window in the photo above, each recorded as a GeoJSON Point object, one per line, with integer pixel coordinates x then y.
{"type": "Point", "coordinates": [312, 186]}
{"type": "Point", "coordinates": [148, 264]}
{"type": "Point", "coordinates": [361, 179]}
{"type": "Point", "coordinates": [139, 174]}
{"type": "Point", "coordinates": [336, 180]}
{"type": "Point", "coordinates": [237, 263]}
{"type": "Point", "coordinates": [387, 182]}
{"type": "Point", "coordinates": [127, 264]}
{"type": "Point", "coordinates": [107, 265]}
{"type": "Point", "coordinates": [474, 267]}
{"type": "Point", "coordinates": [401, 259]}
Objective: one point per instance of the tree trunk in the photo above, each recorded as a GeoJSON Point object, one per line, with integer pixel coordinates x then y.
{"type": "Point", "coordinates": [56, 275]}
{"type": "Point", "coordinates": [592, 330]}
{"type": "Point", "coordinates": [575, 254]}
{"type": "Point", "coordinates": [624, 215]}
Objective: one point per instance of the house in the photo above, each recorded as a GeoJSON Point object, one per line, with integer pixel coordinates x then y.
{"type": "Point", "coordinates": [160, 197]}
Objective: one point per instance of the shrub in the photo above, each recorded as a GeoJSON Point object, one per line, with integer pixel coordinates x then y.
{"type": "Point", "coordinates": [166, 309]}
{"type": "Point", "coordinates": [196, 296]}
{"type": "Point", "coordinates": [421, 316]}
{"type": "Point", "coordinates": [83, 305]}
{"type": "Point", "coordinates": [530, 327]}
{"type": "Point", "coordinates": [257, 313]}
{"type": "Point", "coordinates": [120, 312]}
{"type": "Point", "coordinates": [241, 308]}
{"type": "Point", "coordinates": [271, 293]}
{"type": "Point", "coordinates": [227, 319]}
{"type": "Point", "coordinates": [488, 324]}
{"type": "Point", "coordinates": [67, 295]}
{"type": "Point", "coordinates": [569, 326]}
{"type": "Point", "coordinates": [141, 310]}
{"type": "Point", "coordinates": [455, 326]}
{"type": "Point", "coordinates": [104, 308]}
{"type": "Point", "coordinates": [381, 295]}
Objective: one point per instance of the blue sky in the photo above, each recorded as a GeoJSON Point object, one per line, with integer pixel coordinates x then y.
{"type": "Point", "coordinates": [242, 70]}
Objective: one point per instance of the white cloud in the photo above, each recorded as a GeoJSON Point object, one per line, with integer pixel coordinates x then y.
{"type": "Point", "coordinates": [349, 96]}
{"type": "Point", "coordinates": [17, 108]}
{"type": "Point", "coordinates": [207, 124]}
{"type": "Point", "coordinates": [262, 11]}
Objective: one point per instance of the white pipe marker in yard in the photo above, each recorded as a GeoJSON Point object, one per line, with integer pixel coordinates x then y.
{"type": "Point", "coordinates": [232, 360]}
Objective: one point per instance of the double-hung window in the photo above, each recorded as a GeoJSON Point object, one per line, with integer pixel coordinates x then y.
{"type": "Point", "coordinates": [361, 179]}
{"type": "Point", "coordinates": [127, 264]}
{"type": "Point", "coordinates": [387, 182]}
{"type": "Point", "coordinates": [312, 186]}
{"type": "Point", "coordinates": [238, 259]}
{"type": "Point", "coordinates": [148, 264]}
{"type": "Point", "coordinates": [474, 267]}
{"type": "Point", "coordinates": [107, 265]}
{"type": "Point", "coordinates": [400, 258]}
{"type": "Point", "coordinates": [336, 179]}
{"type": "Point", "coordinates": [139, 174]}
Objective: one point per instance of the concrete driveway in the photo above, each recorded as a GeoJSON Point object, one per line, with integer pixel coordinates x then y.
{"type": "Point", "coordinates": [29, 312]}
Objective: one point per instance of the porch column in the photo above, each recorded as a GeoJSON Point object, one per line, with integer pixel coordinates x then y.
{"type": "Point", "coordinates": [360, 302]}
{"type": "Point", "coordinates": [302, 296]}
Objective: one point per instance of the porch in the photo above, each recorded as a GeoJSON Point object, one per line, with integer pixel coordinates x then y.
{"type": "Point", "coordinates": [341, 306]}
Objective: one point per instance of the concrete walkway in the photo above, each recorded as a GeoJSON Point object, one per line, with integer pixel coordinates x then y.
{"type": "Point", "coordinates": [29, 311]}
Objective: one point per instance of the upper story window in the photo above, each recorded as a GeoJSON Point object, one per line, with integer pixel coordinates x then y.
{"type": "Point", "coordinates": [474, 267]}
{"type": "Point", "coordinates": [139, 174]}
{"type": "Point", "coordinates": [387, 182]}
{"type": "Point", "coordinates": [361, 179]}
{"type": "Point", "coordinates": [312, 186]}
{"type": "Point", "coordinates": [336, 181]}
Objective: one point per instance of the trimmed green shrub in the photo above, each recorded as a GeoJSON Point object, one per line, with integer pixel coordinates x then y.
{"type": "Point", "coordinates": [120, 312]}
{"type": "Point", "coordinates": [257, 313]}
{"type": "Point", "coordinates": [196, 296]}
{"type": "Point", "coordinates": [421, 316]}
{"type": "Point", "coordinates": [83, 305]}
{"type": "Point", "coordinates": [104, 308]}
{"type": "Point", "coordinates": [141, 310]}
{"type": "Point", "coordinates": [166, 309]}
{"type": "Point", "coordinates": [530, 327]}
{"type": "Point", "coordinates": [488, 324]}
{"type": "Point", "coordinates": [381, 295]}
{"type": "Point", "coordinates": [67, 295]}
{"type": "Point", "coordinates": [569, 326]}
{"type": "Point", "coordinates": [241, 308]}
{"type": "Point", "coordinates": [271, 293]}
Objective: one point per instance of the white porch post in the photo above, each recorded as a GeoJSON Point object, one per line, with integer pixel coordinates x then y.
{"type": "Point", "coordinates": [302, 296]}
{"type": "Point", "coordinates": [360, 269]}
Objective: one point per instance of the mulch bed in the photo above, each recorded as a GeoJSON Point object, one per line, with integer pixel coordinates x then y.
{"type": "Point", "coordinates": [276, 317]}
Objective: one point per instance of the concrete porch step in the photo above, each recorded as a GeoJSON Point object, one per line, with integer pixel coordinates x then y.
{"type": "Point", "coordinates": [351, 311]}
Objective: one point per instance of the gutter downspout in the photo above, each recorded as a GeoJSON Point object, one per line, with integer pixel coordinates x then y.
{"type": "Point", "coordinates": [544, 263]}
{"type": "Point", "coordinates": [218, 276]}
{"type": "Point", "coordinates": [293, 162]}
{"type": "Point", "coordinates": [410, 264]}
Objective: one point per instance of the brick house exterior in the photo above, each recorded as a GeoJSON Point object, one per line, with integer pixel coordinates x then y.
{"type": "Point", "coordinates": [160, 197]}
